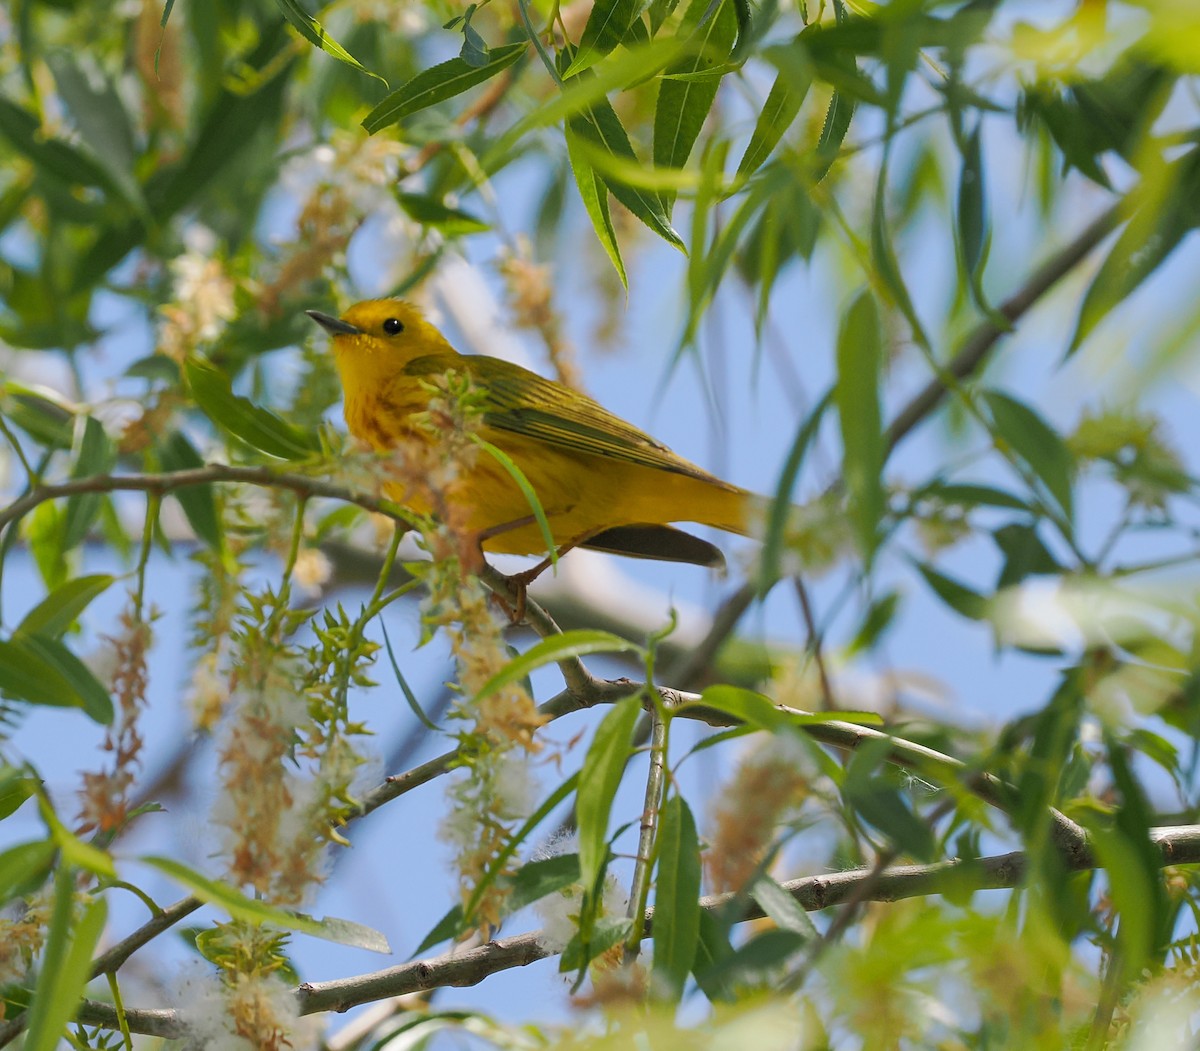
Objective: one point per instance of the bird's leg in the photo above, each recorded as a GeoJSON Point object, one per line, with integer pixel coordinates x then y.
{"type": "Point", "coordinates": [520, 581]}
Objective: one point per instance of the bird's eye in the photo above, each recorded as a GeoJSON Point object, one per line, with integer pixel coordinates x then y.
{"type": "Point", "coordinates": [393, 326]}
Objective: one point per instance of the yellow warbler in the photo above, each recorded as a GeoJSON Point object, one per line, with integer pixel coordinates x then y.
{"type": "Point", "coordinates": [602, 483]}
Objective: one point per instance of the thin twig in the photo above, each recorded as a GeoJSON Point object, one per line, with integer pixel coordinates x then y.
{"type": "Point", "coordinates": [639, 891]}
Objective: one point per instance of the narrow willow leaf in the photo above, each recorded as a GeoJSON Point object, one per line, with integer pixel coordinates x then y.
{"type": "Point", "coordinates": [880, 804]}
{"type": "Point", "coordinates": [556, 648]}
{"type": "Point", "coordinates": [603, 768]}
{"type": "Point", "coordinates": [607, 26]}
{"type": "Point", "coordinates": [676, 930]}
{"type": "Point", "coordinates": [527, 491]}
{"type": "Point", "coordinates": [249, 910]}
{"type": "Point", "coordinates": [1037, 443]}
{"type": "Point", "coordinates": [437, 84]}
{"type": "Point", "coordinates": [859, 361]}
{"type": "Point", "coordinates": [430, 212]}
{"type": "Point", "coordinates": [775, 536]}
{"type": "Point", "coordinates": [51, 617]}
{"type": "Point", "coordinates": [683, 105]}
{"type": "Point", "coordinates": [886, 264]}
{"type": "Point", "coordinates": [713, 951]}
{"type": "Point", "coordinates": [780, 907]}
{"type": "Point", "coordinates": [312, 31]}
{"type": "Point", "coordinates": [198, 501]}
{"type": "Point", "coordinates": [35, 670]}
{"type": "Point", "coordinates": [841, 105]}
{"type": "Point", "coordinates": [960, 598]}
{"type": "Point", "coordinates": [594, 194]}
{"type": "Point", "coordinates": [256, 426]}
{"type": "Point", "coordinates": [95, 455]}
{"type": "Point", "coordinates": [65, 967]}
{"type": "Point", "coordinates": [972, 218]}
{"type": "Point", "coordinates": [600, 127]}
{"type": "Point", "coordinates": [783, 104]}
{"type": "Point", "coordinates": [24, 868]}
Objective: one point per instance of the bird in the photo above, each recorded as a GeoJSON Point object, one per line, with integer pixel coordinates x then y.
{"type": "Point", "coordinates": [602, 483]}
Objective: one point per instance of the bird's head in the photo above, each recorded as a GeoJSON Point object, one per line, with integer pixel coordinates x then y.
{"type": "Point", "coordinates": [379, 336]}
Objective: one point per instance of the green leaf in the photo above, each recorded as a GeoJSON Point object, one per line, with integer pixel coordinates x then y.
{"type": "Point", "coordinates": [15, 788]}
{"type": "Point", "coordinates": [603, 768]}
{"type": "Point", "coordinates": [599, 126]}
{"type": "Point", "coordinates": [782, 909]}
{"type": "Point", "coordinates": [594, 194]}
{"type": "Point", "coordinates": [257, 427]}
{"type": "Point", "coordinates": [86, 690]}
{"type": "Point", "coordinates": [969, 494]}
{"type": "Point", "coordinates": [676, 929]}
{"type": "Point", "coordinates": [783, 103]}
{"type": "Point", "coordinates": [1165, 209]}
{"type": "Point", "coordinates": [312, 31]}
{"type": "Point", "coordinates": [55, 614]}
{"type": "Point", "coordinates": [837, 117]}
{"type": "Point", "coordinates": [43, 671]}
{"type": "Point", "coordinates": [65, 966]}
{"type": "Point", "coordinates": [606, 934]}
{"type": "Point", "coordinates": [430, 212]}
{"type": "Point", "coordinates": [1035, 442]}
{"type": "Point", "coordinates": [24, 868]}
{"type": "Point", "coordinates": [775, 536]}
{"type": "Point", "coordinates": [683, 105]}
{"type": "Point", "coordinates": [198, 501]}
{"type": "Point", "coordinates": [527, 491]}
{"type": "Point", "coordinates": [249, 910]}
{"type": "Point", "coordinates": [607, 25]}
{"type": "Point", "coordinates": [880, 804]}
{"type": "Point", "coordinates": [48, 420]}
{"type": "Point", "coordinates": [886, 264]}
{"type": "Point", "coordinates": [95, 455]}
{"type": "Point", "coordinates": [712, 951]}
{"type": "Point", "coordinates": [52, 156]}
{"type": "Point", "coordinates": [859, 361]}
{"type": "Point", "coordinates": [973, 226]}
{"type": "Point", "coordinates": [553, 648]}
{"type": "Point", "coordinates": [960, 598]}
{"type": "Point", "coordinates": [437, 84]}
{"type": "Point", "coordinates": [759, 711]}
{"type": "Point", "coordinates": [876, 621]}
{"type": "Point", "coordinates": [1024, 554]}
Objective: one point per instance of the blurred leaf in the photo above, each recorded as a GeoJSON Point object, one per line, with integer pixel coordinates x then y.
{"type": "Point", "coordinates": [312, 31]}
{"type": "Point", "coordinates": [43, 671]}
{"type": "Point", "coordinates": [676, 929]}
{"type": "Point", "coordinates": [55, 614]}
{"type": "Point", "coordinates": [750, 964]}
{"type": "Point", "coordinates": [430, 212]}
{"type": "Point", "coordinates": [974, 230]}
{"type": "Point", "coordinates": [683, 105]}
{"type": "Point", "coordinates": [841, 105]}
{"type": "Point", "coordinates": [971, 495]}
{"type": "Point", "coordinates": [960, 598]}
{"type": "Point", "coordinates": [881, 805]}
{"type": "Point", "coordinates": [1166, 209]}
{"type": "Point", "coordinates": [50, 155]}
{"type": "Point", "coordinates": [43, 529]}
{"type": "Point", "coordinates": [859, 361]}
{"type": "Point", "coordinates": [198, 501]}
{"type": "Point", "coordinates": [782, 106]}
{"type": "Point", "coordinates": [594, 194]}
{"type": "Point", "coordinates": [775, 536]}
{"type": "Point", "coordinates": [250, 910]}
{"type": "Point", "coordinates": [604, 936]}
{"type": "Point", "coordinates": [66, 965]}
{"type": "Point", "coordinates": [1024, 554]}
{"type": "Point", "coordinates": [603, 768]}
{"type": "Point", "coordinates": [439, 83]}
{"type": "Point", "coordinates": [39, 413]}
{"type": "Point", "coordinates": [607, 25]}
{"type": "Point", "coordinates": [95, 455]}
{"type": "Point", "coordinates": [15, 788]}
{"type": "Point", "coordinates": [782, 909]}
{"type": "Point", "coordinates": [1035, 442]}
{"type": "Point", "coordinates": [99, 115]}
{"type": "Point", "coordinates": [883, 255]}
{"type": "Point", "coordinates": [24, 868]}
{"type": "Point", "coordinates": [758, 710]}
{"type": "Point", "coordinates": [878, 618]}
{"type": "Point", "coordinates": [257, 427]}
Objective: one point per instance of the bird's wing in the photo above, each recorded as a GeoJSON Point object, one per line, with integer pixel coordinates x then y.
{"type": "Point", "coordinates": [524, 403]}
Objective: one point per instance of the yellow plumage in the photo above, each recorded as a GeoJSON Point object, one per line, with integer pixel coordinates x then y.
{"type": "Point", "coordinates": [601, 481]}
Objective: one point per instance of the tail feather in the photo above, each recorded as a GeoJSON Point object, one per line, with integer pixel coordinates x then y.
{"type": "Point", "coordinates": [660, 542]}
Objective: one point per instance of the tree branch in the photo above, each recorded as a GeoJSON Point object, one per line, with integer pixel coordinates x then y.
{"type": "Point", "coordinates": [1177, 845]}
{"type": "Point", "coordinates": [987, 333]}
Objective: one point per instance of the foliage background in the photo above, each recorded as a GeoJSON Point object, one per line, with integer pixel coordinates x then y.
{"type": "Point", "coordinates": [958, 231]}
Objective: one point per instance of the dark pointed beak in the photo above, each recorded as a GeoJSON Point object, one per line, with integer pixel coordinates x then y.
{"type": "Point", "coordinates": [335, 326]}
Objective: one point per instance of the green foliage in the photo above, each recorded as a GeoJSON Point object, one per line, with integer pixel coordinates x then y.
{"type": "Point", "coordinates": [925, 175]}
